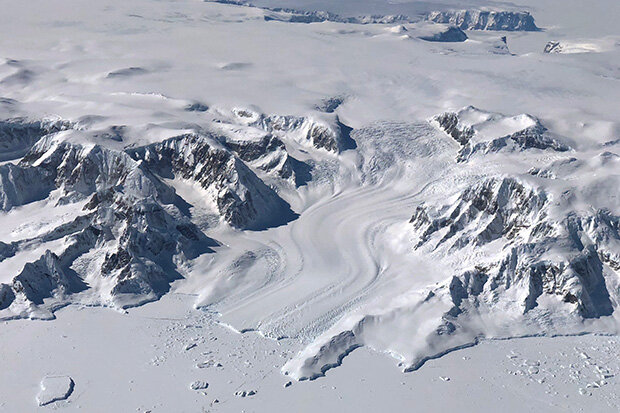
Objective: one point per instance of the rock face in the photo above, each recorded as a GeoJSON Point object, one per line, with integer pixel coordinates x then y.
{"type": "Point", "coordinates": [330, 105]}
{"type": "Point", "coordinates": [153, 239]}
{"type": "Point", "coordinates": [461, 19]}
{"type": "Point", "coordinates": [20, 185]}
{"type": "Point", "coordinates": [296, 16]}
{"type": "Point", "coordinates": [130, 221]}
{"type": "Point", "coordinates": [45, 277]}
{"type": "Point", "coordinates": [79, 170]}
{"type": "Point", "coordinates": [449, 122]}
{"type": "Point", "coordinates": [315, 16]}
{"type": "Point", "coordinates": [485, 20]}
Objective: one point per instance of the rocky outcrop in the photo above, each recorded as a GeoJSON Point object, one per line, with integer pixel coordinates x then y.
{"type": "Point", "coordinates": [449, 34]}
{"type": "Point", "coordinates": [141, 242]}
{"type": "Point", "coordinates": [151, 240]}
{"type": "Point", "coordinates": [297, 16]}
{"type": "Point", "coordinates": [269, 154]}
{"type": "Point", "coordinates": [44, 278]}
{"type": "Point", "coordinates": [241, 198]}
{"type": "Point", "coordinates": [470, 128]}
{"type": "Point", "coordinates": [553, 47]}
{"type": "Point", "coordinates": [21, 185]}
{"type": "Point", "coordinates": [449, 122]}
{"type": "Point", "coordinates": [497, 207]}
{"type": "Point", "coordinates": [329, 105]}
{"type": "Point", "coordinates": [533, 137]}
{"type": "Point", "coordinates": [290, 15]}
{"type": "Point", "coordinates": [80, 170]}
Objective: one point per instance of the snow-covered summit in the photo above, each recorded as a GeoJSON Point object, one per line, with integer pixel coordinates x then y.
{"type": "Point", "coordinates": [482, 132]}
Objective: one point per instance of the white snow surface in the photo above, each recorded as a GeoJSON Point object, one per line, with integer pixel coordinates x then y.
{"type": "Point", "coordinates": [154, 371]}
{"type": "Point", "coordinates": [331, 186]}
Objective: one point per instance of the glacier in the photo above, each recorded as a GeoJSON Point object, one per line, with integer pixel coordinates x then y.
{"type": "Point", "coordinates": [290, 189]}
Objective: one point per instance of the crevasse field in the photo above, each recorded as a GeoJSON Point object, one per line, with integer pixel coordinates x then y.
{"type": "Point", "coordinates": [309, 205]}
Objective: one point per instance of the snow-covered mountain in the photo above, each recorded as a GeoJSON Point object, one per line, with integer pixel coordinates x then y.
{"type": "Point", "coordinates": [515, 236]}
{"type": "Point", "coordinates": [130, 229]}
{"type": "Point", "coordinates": [408, 177]}
{"type": "Point", "coordinates": [526, 249]}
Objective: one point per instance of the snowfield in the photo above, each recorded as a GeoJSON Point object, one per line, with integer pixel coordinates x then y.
{"type": "Point", "coordinates": [220, 199]}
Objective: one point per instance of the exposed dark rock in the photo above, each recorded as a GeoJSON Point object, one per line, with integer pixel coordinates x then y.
{"type": "Point", "coordinates": [531, 137]}
{"type": "Point", "coordinates": [330, 105]}
{"type": "Point", "coordinates": [451, 34]}
{"type": "Point", "coordinates": [20, 185]}
{"type": "Point", "coordinates": [553, 47]}
{"type": "Point", "coordinates": [44, 277]}
{"type": "Point", "coordinates": [449, 122]}
{"type": "Point", "coordinates": [197, 107]}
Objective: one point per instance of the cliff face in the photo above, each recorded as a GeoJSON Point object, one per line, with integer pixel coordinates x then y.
{"type": "Point", "coordinates": [486, 20]}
